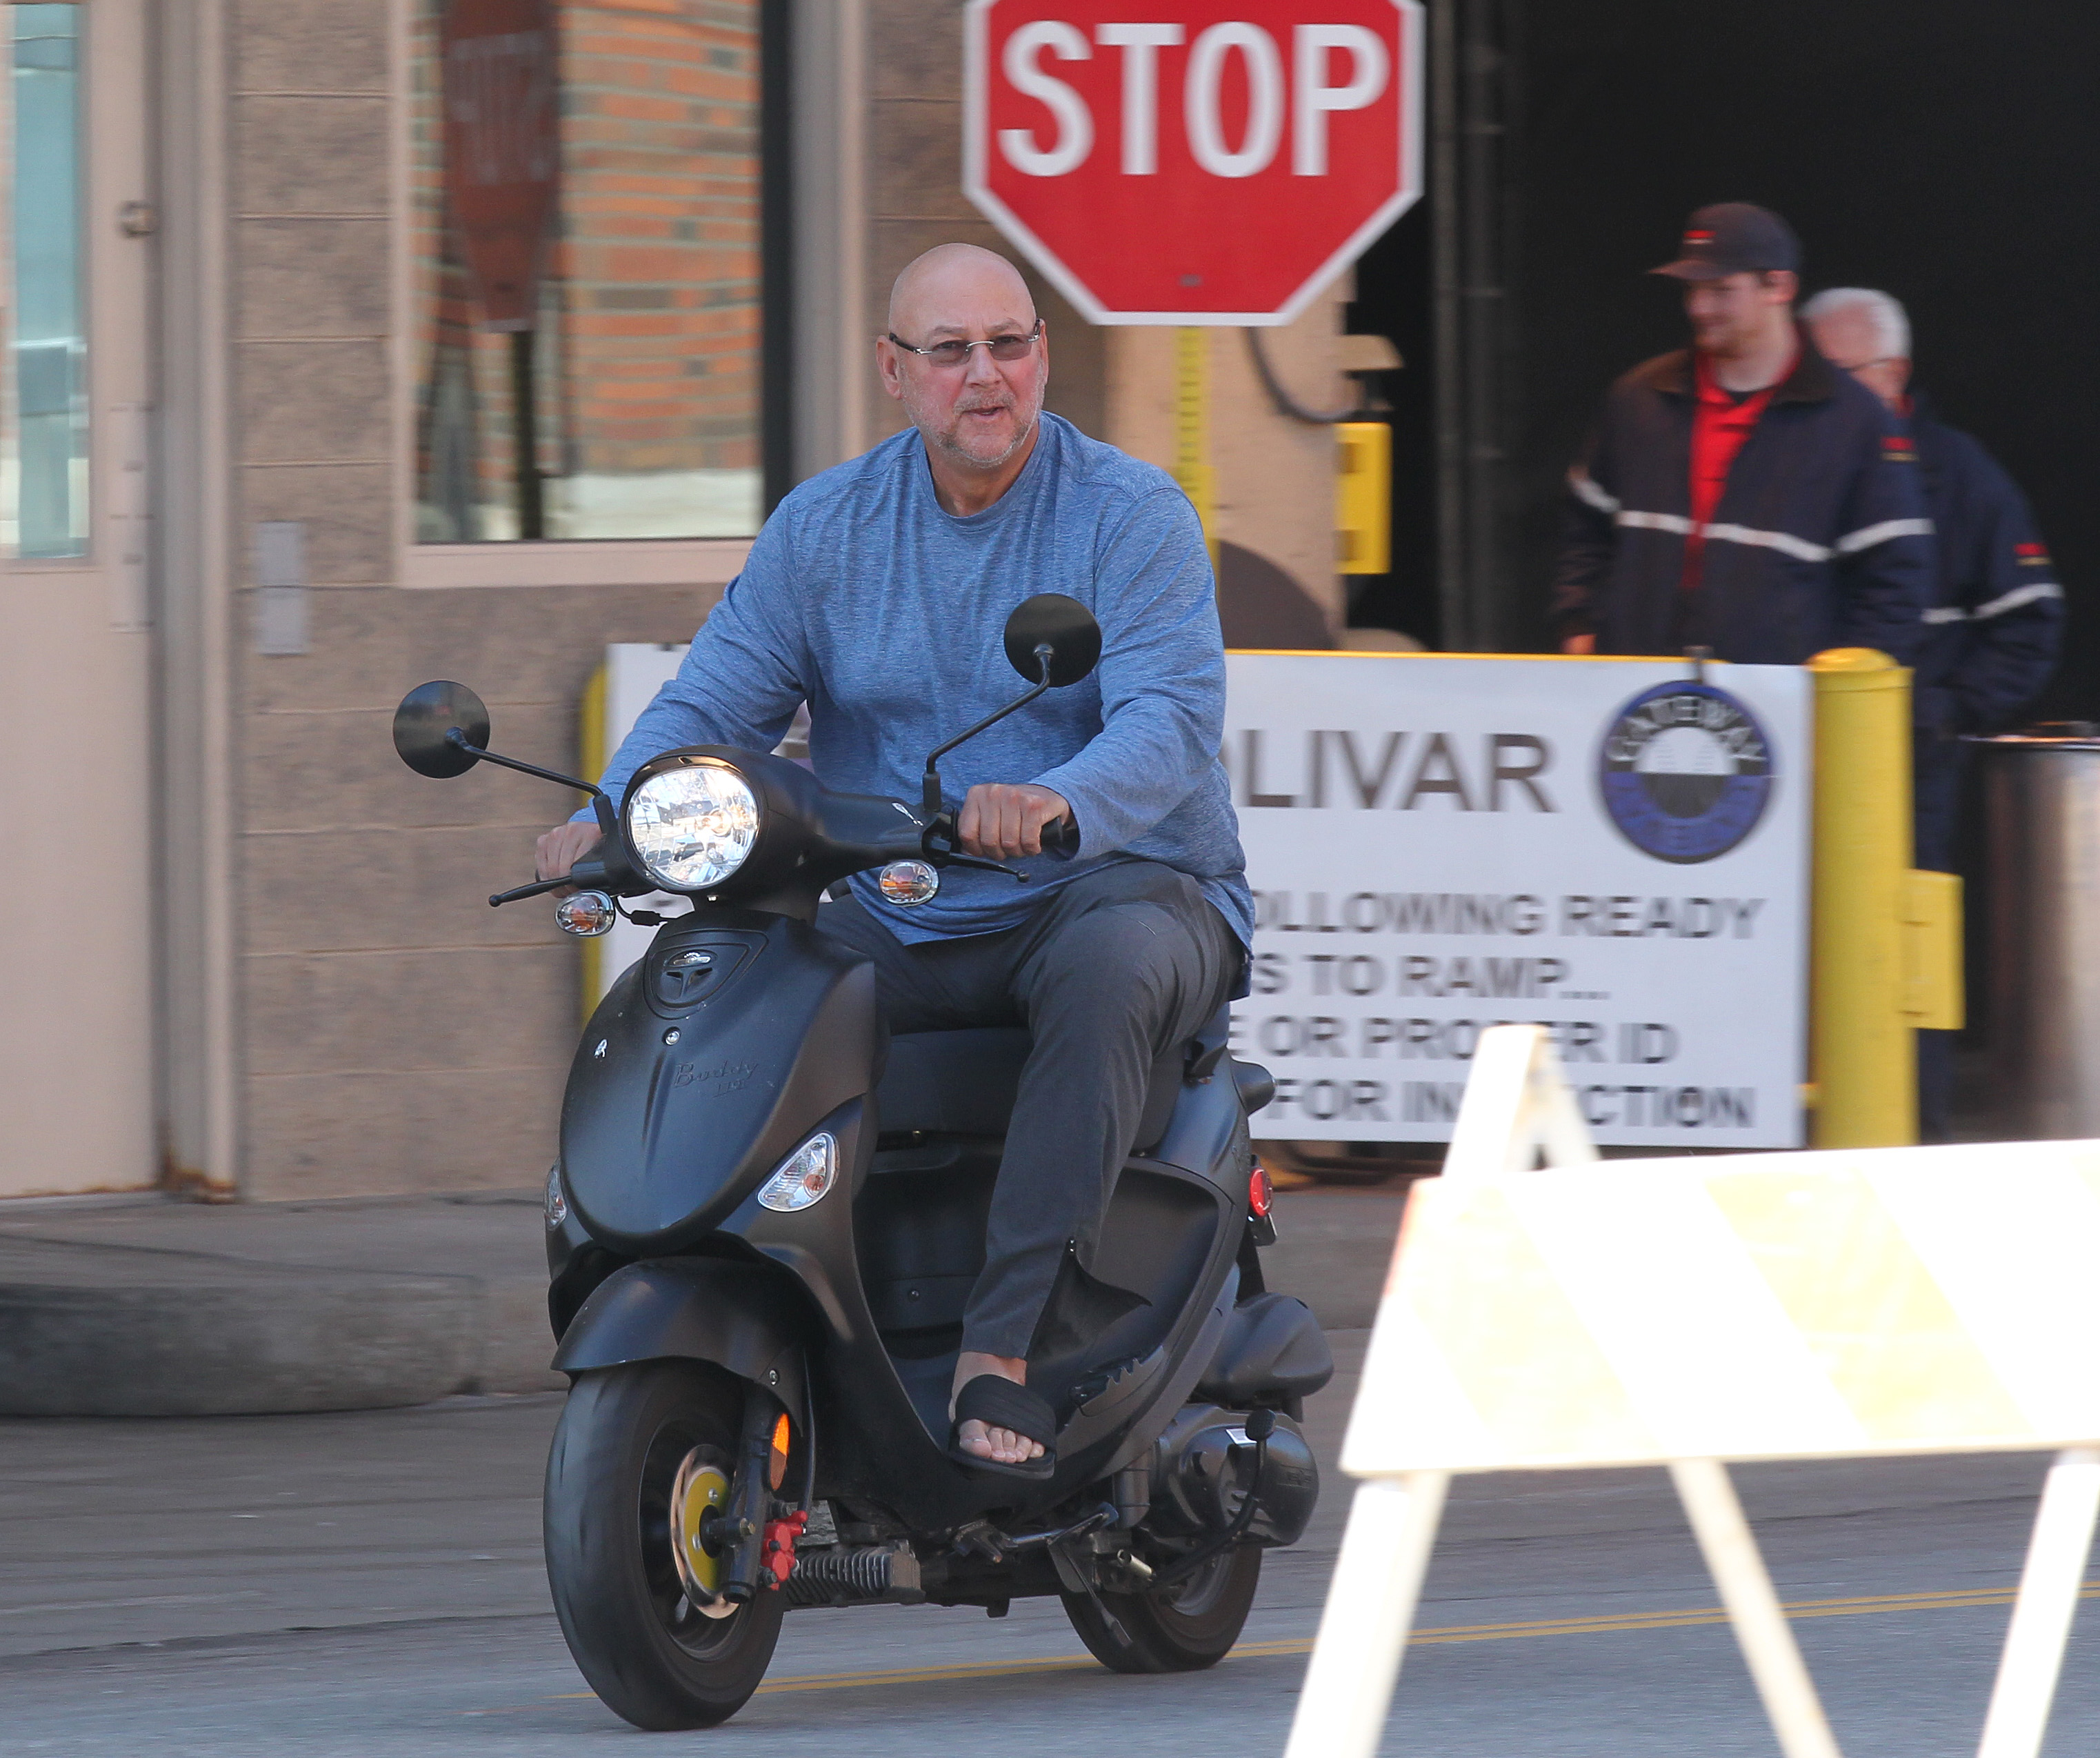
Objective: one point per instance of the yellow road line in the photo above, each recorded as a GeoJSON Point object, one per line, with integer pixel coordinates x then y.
{"type": "Point", "coordinates": [1602, 1624]}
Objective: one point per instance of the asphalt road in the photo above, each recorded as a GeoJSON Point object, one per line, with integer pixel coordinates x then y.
{"type": "Point", "coordinates": [370, 1585]}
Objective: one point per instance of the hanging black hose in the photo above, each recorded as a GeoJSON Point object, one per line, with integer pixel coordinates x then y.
{"type": "Point", "coordinates": [1282, 399]}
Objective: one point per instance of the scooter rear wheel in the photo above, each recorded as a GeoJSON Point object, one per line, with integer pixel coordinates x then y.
{"type": "Point", "coordinates": [1192, 1626]}
{"type": "Point", "coordinates": [627, 1438]}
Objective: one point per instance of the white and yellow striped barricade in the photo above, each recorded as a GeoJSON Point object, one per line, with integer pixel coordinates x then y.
{"type": "Point", "coordinates": [1686, 1312]}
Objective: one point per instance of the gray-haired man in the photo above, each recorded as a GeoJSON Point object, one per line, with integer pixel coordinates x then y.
{"type": "Point", "coordinates": [1997, 616]}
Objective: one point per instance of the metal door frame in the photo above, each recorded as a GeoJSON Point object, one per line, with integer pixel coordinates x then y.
{"type": "Point", "coordinates": [194, 604]}
{"type": "Point", "coordinates": [83, 1024]}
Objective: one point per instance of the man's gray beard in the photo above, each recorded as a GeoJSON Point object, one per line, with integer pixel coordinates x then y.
{"type": "Point", "coordinates": [1023, 430]}
{"type": "Point", "coordinates": [1020, 439]}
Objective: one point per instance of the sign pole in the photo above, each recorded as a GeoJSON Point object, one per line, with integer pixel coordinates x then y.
{"type": "Point", "coordinates": [1192, 397]}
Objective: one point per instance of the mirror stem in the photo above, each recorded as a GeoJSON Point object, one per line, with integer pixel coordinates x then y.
{"type": "Point", "coordinates": [930, 787]}
{"type": "Point", "coordinates": [600, 799]}
{"type": "Point", "coordinates": [538, 889]}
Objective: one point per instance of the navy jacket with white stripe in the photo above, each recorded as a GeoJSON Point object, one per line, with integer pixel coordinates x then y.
{"type": "Point", "coordinates": [1820, 538]}
{"type": "Point", "coordinates": [1996, 617]}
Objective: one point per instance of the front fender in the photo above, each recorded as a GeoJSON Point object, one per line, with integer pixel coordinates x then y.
{"type": "Point", "coordinates": [744, 1318]}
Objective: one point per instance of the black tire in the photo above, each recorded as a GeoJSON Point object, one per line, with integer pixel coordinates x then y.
{"type": "Point", "coordinates": [650, 1655]}
{"type": "Point", "coordinates": [1192, 1626]}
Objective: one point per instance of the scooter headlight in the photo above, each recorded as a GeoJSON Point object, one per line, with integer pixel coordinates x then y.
{"type": "Point", "coordinates": [693, 826]}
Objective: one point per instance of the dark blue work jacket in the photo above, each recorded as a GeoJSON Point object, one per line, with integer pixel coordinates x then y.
{"type": "Point", "coordinates": [1997, 616]}
{"type": "Point", "coordinates": [1820, 538]}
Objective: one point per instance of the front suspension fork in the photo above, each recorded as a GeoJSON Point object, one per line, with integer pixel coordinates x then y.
{"type": "Point", "coordinates": [762, 1553]}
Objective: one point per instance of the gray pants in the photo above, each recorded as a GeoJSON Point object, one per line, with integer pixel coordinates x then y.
{"type": "Point", "coordinates": [1109, 973]}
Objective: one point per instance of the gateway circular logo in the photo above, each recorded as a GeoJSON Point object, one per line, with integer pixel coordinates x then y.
{"type": "Point", "coordinates": [1686, 771]}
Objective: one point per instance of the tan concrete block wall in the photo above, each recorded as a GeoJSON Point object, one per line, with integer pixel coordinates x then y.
{"type": "Point", "coordinates": [1273, 477]}
{"type": "Point", "coordinates": [396, 1034]}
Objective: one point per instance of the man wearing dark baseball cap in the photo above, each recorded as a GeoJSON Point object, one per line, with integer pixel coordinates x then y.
{"type": "Point", "coordinates": [1734, 238]}
{"type": "Point", "coordinates": [1742, 495]}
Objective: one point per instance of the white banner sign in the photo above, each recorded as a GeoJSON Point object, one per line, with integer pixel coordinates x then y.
{"type": "Point", "coordinates": [1609, 848]}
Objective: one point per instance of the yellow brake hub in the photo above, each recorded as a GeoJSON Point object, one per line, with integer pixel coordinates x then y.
{"type": "Point", "coordinates": [700, 1489]}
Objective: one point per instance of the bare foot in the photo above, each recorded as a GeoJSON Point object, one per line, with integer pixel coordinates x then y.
{"type": "Point", "coordinates": [1002, 1447]}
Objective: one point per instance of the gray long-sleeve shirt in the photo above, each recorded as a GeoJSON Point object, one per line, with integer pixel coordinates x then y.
{"type": "Point", "coordinates": [885, 612]}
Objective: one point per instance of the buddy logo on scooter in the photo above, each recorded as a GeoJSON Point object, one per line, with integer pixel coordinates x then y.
{"type": "Point", "coordinates": [764, 1222]}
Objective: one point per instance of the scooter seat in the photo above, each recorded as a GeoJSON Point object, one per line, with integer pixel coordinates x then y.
{"type": "Point", "coordinates": [965, 1083]}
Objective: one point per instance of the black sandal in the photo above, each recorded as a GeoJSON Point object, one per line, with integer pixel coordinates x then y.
{"type": "Point", "coordinates": [999, 1404]}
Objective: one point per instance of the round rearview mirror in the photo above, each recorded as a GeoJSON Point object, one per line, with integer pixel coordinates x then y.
{"type": "Point", "coordinates": [1063, 625]}
{"type": "Point", "coordinates": [429, 711]}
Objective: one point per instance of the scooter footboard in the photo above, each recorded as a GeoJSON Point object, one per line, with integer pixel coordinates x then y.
{"type": "Point", "coordinates": [739, 1317]}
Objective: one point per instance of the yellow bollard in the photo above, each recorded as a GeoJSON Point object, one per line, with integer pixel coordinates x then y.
{"type": "Point", "coordinates": [591, 753]}
{"type": "Point", "coordinates": [1862, 1049]}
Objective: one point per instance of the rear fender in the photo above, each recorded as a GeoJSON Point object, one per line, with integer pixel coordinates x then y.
{"type": "Point", "coordinates": [743, 1317]}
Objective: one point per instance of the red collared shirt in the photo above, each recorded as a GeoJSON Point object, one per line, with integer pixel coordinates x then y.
{"type": "Point", "coordinates": [1721, 422]}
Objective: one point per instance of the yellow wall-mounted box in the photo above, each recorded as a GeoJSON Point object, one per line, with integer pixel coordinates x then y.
{"type": "Point", "coordinates": [1363, 497]}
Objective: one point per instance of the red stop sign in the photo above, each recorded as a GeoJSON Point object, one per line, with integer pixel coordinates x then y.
{"type": "Point", "coordinates": [1185, 162]}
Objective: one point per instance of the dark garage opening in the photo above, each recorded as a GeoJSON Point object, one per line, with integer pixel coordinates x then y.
{"type": "Point", "coordinates": [1944, 153]}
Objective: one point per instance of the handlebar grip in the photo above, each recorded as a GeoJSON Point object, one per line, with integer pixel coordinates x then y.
{"type": "Point", "coordinates": [1061, 839]}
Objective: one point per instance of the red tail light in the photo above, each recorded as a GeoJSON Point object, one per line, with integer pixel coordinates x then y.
{"type": "Point", "coordinates": [1259, 1191]}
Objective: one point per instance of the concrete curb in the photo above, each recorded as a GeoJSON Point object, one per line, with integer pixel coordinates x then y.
{"type": "Point", "coordinates": [177, 1311]}
{"type": "Point", "coordinates": [115, 1332]}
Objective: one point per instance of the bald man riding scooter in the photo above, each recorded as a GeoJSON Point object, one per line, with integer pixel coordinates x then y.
{"type": "Point", "coordinates": [852, 601]}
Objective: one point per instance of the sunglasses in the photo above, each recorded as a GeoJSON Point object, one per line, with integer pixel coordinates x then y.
{"type": "Point", "coordinates": [1003, 348]}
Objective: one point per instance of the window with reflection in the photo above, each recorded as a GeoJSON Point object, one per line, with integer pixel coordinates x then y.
{"type": "Point", "coordinates": [587, 269]}
{"type": "Point", "coordinates": [43, 331]}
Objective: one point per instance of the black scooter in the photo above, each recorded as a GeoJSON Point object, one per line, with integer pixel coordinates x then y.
{"type": "Point", "coordinates": [765, 1221]}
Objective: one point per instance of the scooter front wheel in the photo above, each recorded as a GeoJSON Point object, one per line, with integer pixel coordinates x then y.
{"type": "Point", "coordinates": [1192, 1626]}
{"type": "Point", "coordinates": [637, 1452]}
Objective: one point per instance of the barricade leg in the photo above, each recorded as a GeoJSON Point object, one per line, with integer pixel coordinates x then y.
{"type": "Point", "coordinates": [2042, 1611]}
{"type": "Point", "coordinates": [1730, 1551]}
{"type": "Point", "coordinates": [1371, 1609]}
{"type": "Point", "coordinates": [1518, 1107]}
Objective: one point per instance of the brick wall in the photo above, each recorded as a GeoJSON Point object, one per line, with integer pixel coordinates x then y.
{"type": "Point", "coordinates": [648, 349]}
{"type": "Point", "coordinates": [660, 255]}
